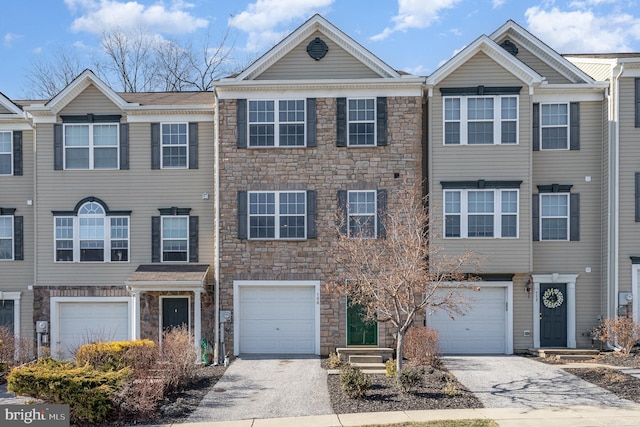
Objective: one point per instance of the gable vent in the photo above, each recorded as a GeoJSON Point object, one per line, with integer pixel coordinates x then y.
{"type": "Point", "coordinates": [509, 47]}
{"type": "Point", "coordinates": [317, 48]}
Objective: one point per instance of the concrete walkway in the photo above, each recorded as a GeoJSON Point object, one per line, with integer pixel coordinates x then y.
{"type": "Point", "coordinates": [519, 382]}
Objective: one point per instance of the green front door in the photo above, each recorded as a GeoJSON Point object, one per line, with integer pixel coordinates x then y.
{"type": "Point", "coordinates": [359, 331]}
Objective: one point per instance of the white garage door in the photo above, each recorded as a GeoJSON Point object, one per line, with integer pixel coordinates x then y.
{"type": "Point", "coordinates": [481, 330]}
{"type": "Point", "coordinates": [277, 319]}
{"type": "Point", "coordinates": [83, 322]}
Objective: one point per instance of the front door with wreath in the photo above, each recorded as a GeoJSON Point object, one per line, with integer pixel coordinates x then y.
{"type": "Point", "coordinates": [553, 315]}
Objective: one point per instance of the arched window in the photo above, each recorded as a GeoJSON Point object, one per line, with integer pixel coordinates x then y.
{"type": "Point", "coordinates": [91, 221]}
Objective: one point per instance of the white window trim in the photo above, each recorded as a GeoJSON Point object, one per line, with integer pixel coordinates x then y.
{"type": "Point", "coordinates": [497, 213]}
{"type": "Point", "coordinates": [162, 238]}
{"type": "Point", "coordinates": [567, 126]}
{"type": "Point", "coordinates": [497, 119]}
{"type": "Point", "coordinates": [375, 213]}
{"type": "Point", "coordinates": [375, 123]}
{"type": "Point", "coordinates": [106, 238]}
{"type": "Point", "coordinates": [12, 238]}
{"type": "Point", "coordinates": [276, 215]}
{"type": "Point", "coordinates": [162, 146]}
{"type": "Point", "coordinates": [91, 147]}
{"type": "Point", "coordinates": [10, 153]}
{"type": "Point", "coordinates": [568, 216]}
{"type": "Point", "coordinates": [276, 122]}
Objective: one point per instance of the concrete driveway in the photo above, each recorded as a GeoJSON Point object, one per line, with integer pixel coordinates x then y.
{"type": "Point", "coordinates": [267, 387]}
{"type": "Point", "coordinates": [519, 382]}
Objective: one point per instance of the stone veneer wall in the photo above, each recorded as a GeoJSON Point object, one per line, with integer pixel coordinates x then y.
{"type": "Point", "coordinates": [326, 169]}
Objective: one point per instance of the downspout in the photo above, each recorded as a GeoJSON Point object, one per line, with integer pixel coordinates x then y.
{"type": "Point", "coordinates": [34, 202]}
{"type": "Point", "coordinates": [216, 150]}
{"type": "Point", "coordinates": [616, 229]}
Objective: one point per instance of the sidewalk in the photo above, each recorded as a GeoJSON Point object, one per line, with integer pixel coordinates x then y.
{"type": "Point", "coordinates": [576, 416]}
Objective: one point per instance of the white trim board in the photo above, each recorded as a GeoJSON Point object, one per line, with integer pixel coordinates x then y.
{"type": "Point", "coordinates": [570, 280]}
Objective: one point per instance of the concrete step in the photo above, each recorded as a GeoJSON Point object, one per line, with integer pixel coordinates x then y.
{"type": "Point", "coordinates": [563, 352]}
{"type": "Point", "coordinates": [369, 365]}
{"type": "Point", "coordinates": [574, 357]}
{"type": "Point", "coordinates": [362, 358]}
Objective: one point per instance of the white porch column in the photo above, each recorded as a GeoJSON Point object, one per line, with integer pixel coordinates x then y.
{"type": "Point", "coordinates": [135, 315]}
{"type": "Point", "coordinates": [197, 320]}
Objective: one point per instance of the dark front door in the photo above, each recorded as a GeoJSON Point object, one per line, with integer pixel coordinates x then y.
{"type": "Point", "coordinates": [175, 312]}
{"type": "Point", "coordinates": [359, 330]}
{"type": "Point", "coordinates": [553, 315]}
{"type": "Point", "coordinates": [6, 314]}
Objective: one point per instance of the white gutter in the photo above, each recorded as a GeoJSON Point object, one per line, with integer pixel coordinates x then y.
{"type": "Point", "coordinates": [216, 201]}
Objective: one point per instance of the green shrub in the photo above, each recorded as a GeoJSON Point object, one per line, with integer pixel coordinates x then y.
{"type": "Point", "coordinates": [390, 367]}
{"type": "Point", "coordinates": [353, 382]}
{"type": "Point", "coordinates": [113, 356]}
{"type": "Point", "coordinates": [408, 379]}
{"type": "Point", "coordinates": [86, 390]}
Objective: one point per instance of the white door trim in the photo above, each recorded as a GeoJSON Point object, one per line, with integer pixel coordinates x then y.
{"type": "Point", "coordinates": [635, 291]}
{"type": "Point", "coordinates": [15, 297]}
{"type": "Point", "coordinates": [570, 280]}
{"type": "Point", "coordinates": [237, 284]}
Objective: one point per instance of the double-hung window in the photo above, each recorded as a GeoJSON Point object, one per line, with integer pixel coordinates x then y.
{"type": "Point", "coordinates": [175, 238]}
{"type": "Point", "coordinates": [480, 120]}
{"type": "Point", "coordinates": [554, 125]}
{"type": "Point", "coordinates": [481, 213]}
{"type": "Point", "coordinates": [91, 146]}
{"type": "Point", "coordinates": [277, 123]}
{"type": "Point", "coordinates": [6, 237]}
{"type": "Point", "coordinates": [91, 235]}
{"type": "Point", "coordinates": [277, 215]}
{"type": "Point", "coordinates": [174, 143]}
{"type": "Point", "coordinates": [362, 122]}
{"type": "Point", "coordinates": [554, 216]}
{"type": "Point", "coordinates": [6, 153]}
{"type": "Point", "coordinates": [362, 214]}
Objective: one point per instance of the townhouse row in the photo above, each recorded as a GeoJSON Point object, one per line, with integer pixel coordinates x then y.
{"type": "Point", "coordinates": [123, 214]}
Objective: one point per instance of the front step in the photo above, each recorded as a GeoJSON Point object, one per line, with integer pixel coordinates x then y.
{"type": "Point", "coordinates": [346, 353]}
{"type": "Point", "coordinates": [565, 353]}
{"type": "Point", "coordinates": [365, 359]}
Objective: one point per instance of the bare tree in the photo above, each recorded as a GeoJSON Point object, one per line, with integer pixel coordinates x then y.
{"type": "Point", "coordinates": [47, 77]}
{"type": "Point", "coordinates": [398, 277]}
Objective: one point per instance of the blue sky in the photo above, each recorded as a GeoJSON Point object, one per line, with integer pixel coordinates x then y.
{"type": "Point", "coordinates": [416, 36]}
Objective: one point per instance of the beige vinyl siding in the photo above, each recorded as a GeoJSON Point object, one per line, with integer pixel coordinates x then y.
{"type": "Point", "coordinates": [4, 110]}
{"type": "Point", "coordinates": [138, 189]}
{"type": "Point", "coordinates": [597, 71]}
{"type": "Point", "coordinates": [17, 276]}
{"type": "Point", "coordinates": [91, 100]}
{"type": "Point", "coordinates": [488, 162]}
{"type": "Point", "coordinates": [534, 62]}
{"type": "Point", "coordinates": [629, 166]}
{"type": "Point", "coordinates": [523, 313]}
{"type": "Point", "coordinates": [337, 64]}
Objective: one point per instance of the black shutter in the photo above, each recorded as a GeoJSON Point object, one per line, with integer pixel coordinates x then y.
{"type": "Point", "coordinates": [574, 126]}
{"type": "Point", "coordinates": [381, 121]}
{"type": "Point", "coordinates": [193, 239]}
{"type": "Point", "coordinates": [637, 197]}
{"type": "Point", "coordinates": [155, 239]}
{"type": "Point", "coordinates": [18, 238]}
{"type": "Point", "coordinates": [311, 214]}
{"type": "Point", "coordinates": [17, 153]}
{"type": "Point", "coordinates": [574, 219]}
{"type": "Point", "coordinates": [241, 123]}
{"type": "Point", "coordinates": [124, 146]}
{"type": "Point", "coordinates": [242, 215]}
{"type": "Point", "coordinates": [535, 129]}
{"type": "Point", "coordinates": [311, 122]}
{"type": "Point", "coordinates": [155, 145]}
{"type": "Point", "coordinates": [58, 153]}
{"type": "Point", "coordinates": [535, 217]}
{"type": "Point", "coordinates": [381, 200]}
{"type": "Point", "coordinates": [193, 145]}
{"type": "Point", "coordinates": [637, 101]}
{"type": "Point", "coordinates": [341, 122]}
{"type": "Point", "coordinates": [342, 206]}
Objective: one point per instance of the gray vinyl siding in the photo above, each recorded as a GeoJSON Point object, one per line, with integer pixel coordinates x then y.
{"type": "Point", "coordinates": [535, 63]}
{"type": "Point", "coordinates": [629, 166]}
{"type": "Point", "coordinates": [17, 276]}
{"type": "Point", "coordinates": [91, 100]}
{"type": "Point", "coordinates": [4, 110]}
{"type": "Point", "coordinates": [138, 189]}
{"type": "Point", "coordinates": [488, 162]}
{"type": "Point", "coordinates": [337, 64]}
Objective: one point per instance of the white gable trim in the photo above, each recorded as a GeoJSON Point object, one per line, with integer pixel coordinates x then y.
{"type": "Point", "coordinates": [487, 46]}
{"type": "Point", "coordinates": [316, 23]}
{"type": "Point", "coordinates": [9, 105]}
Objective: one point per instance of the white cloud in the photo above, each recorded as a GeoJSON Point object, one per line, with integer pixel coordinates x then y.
{"type": "Point", "coordinates": [9, 38]}
{"type": "Point", "coordinates": [100, 15]}
{"type": "Point", "coordinates": [415, 14]}
{"type": "Point", "coordinates": [261, 19]}
{"type": "Point", "coordinates": [498, 3]}
{"type": "Point", "coordinates": [37, 50]}
{"type": "Point", "coordinates": [582, 31]}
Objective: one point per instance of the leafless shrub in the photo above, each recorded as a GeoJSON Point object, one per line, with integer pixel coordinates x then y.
{"type": "Point", "coordinates": [623, 331]}
{"type": "Point", "coordinates": [421, 346]}
{"type": "Point", "coordinates": [178, 358]}
{"type": "Point", "coordinates": [14, 351]}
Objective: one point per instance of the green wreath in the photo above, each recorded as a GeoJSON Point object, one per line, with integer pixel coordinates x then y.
{"type": "Point", "coordinates": [552, 298]}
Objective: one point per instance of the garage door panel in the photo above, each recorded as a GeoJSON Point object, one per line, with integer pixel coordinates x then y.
{"type": "Point", "coordinates": [482, 329]}
{"type": "Point", "coordinates": [277, 319]}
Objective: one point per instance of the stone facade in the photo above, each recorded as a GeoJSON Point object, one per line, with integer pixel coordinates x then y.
{"type": "Point", "coordinates": [325, 169]}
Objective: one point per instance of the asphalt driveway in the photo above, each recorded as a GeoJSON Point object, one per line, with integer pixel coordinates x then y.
{"type": "Point", "coordinates": [519, 382]}
{"type": "Point", "coordinates": [267, 387]}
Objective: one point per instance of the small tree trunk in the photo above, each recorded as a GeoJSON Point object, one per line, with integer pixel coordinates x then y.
{"type": "Point", "coordinates": [399, 341]}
